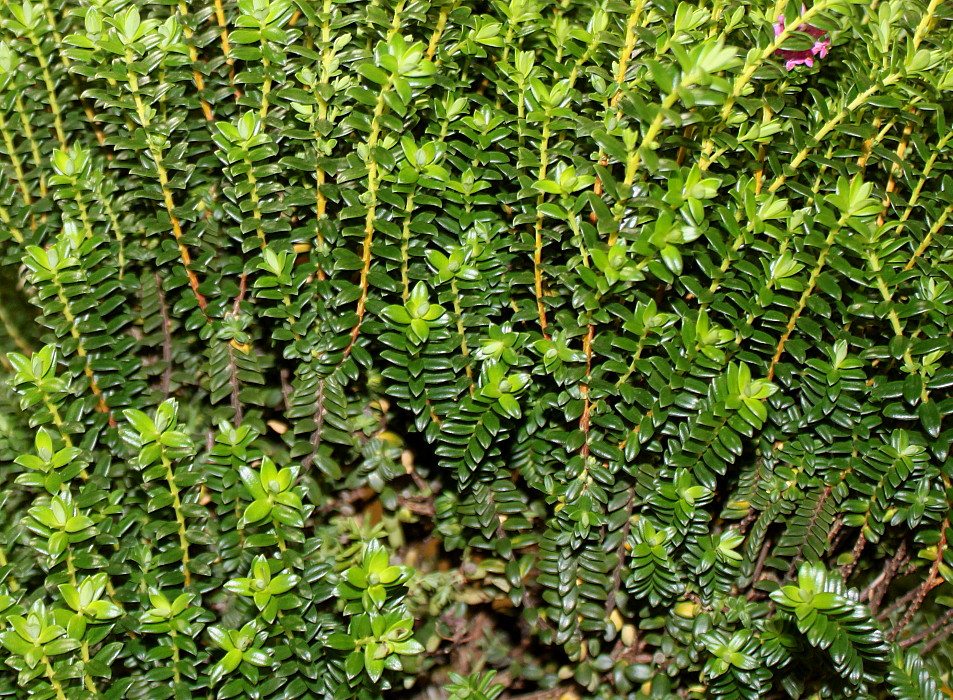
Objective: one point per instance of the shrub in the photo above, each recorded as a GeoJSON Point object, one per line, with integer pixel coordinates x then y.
{"type": "Point", "coordinates": [577, 349]}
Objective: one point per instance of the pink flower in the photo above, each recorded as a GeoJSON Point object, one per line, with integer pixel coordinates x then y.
{"type": "Point", "coordinates": [805, 58]}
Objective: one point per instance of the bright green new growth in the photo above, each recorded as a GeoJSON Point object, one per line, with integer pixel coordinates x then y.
{"type": "Point", "coordinates": [430, 349]}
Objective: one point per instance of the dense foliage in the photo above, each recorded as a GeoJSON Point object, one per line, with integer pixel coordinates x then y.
{"type": "Point", "coordinates": [412, 348]}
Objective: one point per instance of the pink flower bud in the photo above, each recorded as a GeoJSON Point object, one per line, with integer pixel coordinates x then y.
{"type": "Point", "coordinates": [805, 58]}
{"type": "Point", "coordinates": [820, 48]}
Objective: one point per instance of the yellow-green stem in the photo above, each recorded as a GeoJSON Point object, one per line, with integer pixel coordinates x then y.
{"type": "Point", "coordinates": [808, 290]}
{"type": "Point", "coordinates": [635, 157]}
{"type": "Point", "coordinates": [438, 29]}
{"type": "Point", "coordinates": [28, 132]}
{"type": "Point", "coordinates": [256, 208]}
{"type": "Point", "coordinates": [197, 77]}
{"type": "Point", "coordinates": [266, 86]}
{"type": "Point", "coordinates": [405, 246]}
{"type": "Point", "coordinates": [83, 213]}
{"type": "Point", "coordinates": [156, 153]}
{"type": "Point", "coordinates": [461, 329]}
{"type": "Point", "coordinates": [925, 21]}
{"type": "Point", "coordinates": [50, 89]}
{"type": "Point", "coordinates": [223, 25]}
{"type": "Point", "coordinates": [15, 161]}
{"type": "Point", "coordinates": [927, 169]}
{"type": "Point", "coordinates": [8, 223]}
{"type": "Point", "coordinates": [371, 216]}
{"type": "Point", "coordinates": [628, 373]}
{"type": "Point", "coordinates": [627, 49]}
{"type": "Point", "coordinates": [80, 346]}
{"type": "Point", "coordinates": [51, 676]}
{"type": "Point", "coordinates": [179, 518]}
{"type": "Point", "coordinates": [577, 233]}
{"type": "Point", "coordinates": [830, 125]}
{"type": "Point", "coordinates": [925, 243]}
{"type": "Point", "coordinates": [538, 230]}
{"type": "Point", "coordinates": [106, 203]}
{"type": "Point", "coordinates": [741, 82]}
{"type": "Point", "coordinates": [176, 674]}
{"type": "Point", "coordinates": [88, 679]}
{"type": "Point", "coordinates": [11, 581]}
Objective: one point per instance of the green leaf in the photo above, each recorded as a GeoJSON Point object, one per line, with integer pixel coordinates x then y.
{"type": "Point", "coordinates": [340, 641]}
{"type": "Point", "coordinates": [930, 418]}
